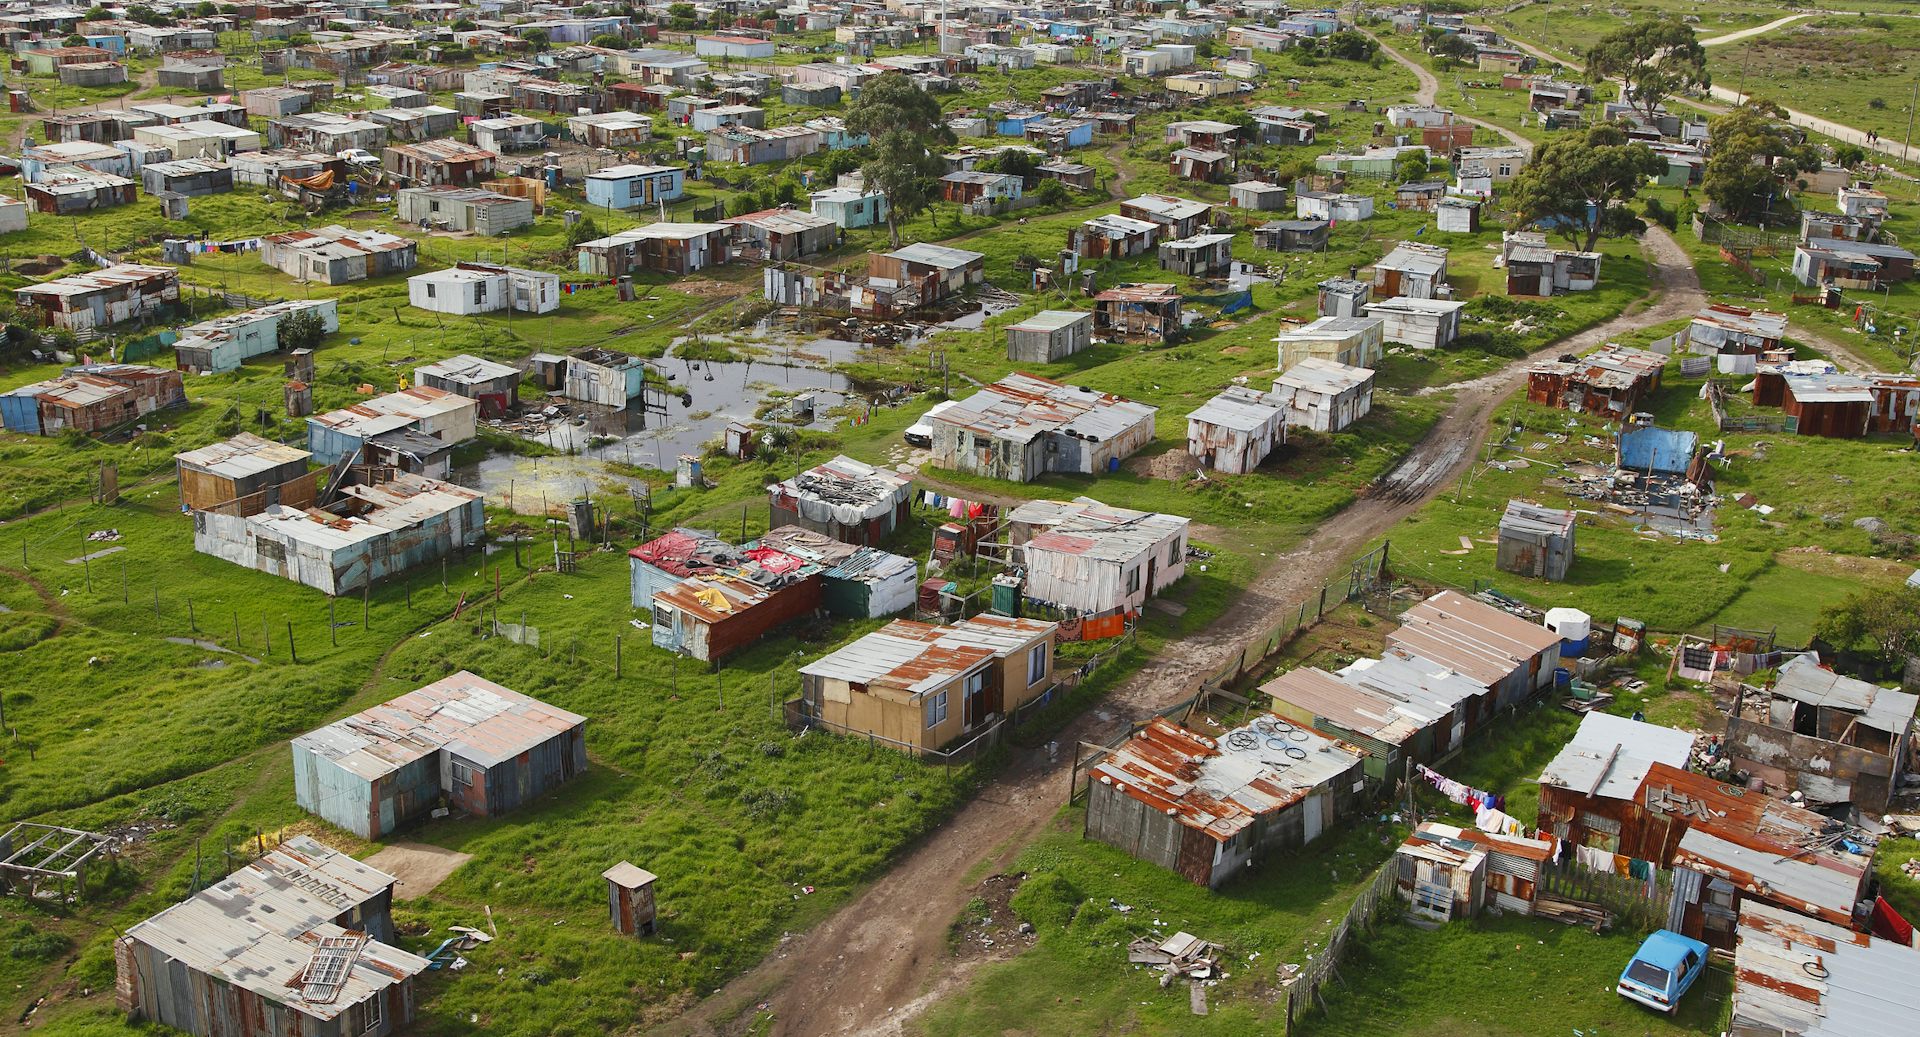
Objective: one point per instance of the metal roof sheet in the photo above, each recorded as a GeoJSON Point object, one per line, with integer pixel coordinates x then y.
{"type": "Point", "coordinates": [244, 455]}
{"type": "Point", "coordinates": [1220, 786]}
{"type": "Point", "coordinates": [463, 713]}
{"type": "Point", "coordinates": [1086, 527]}
{"type": "Point", "coordinates": [1609, 756]}
{"type": "Point", "coordinates": [1799, 977]}
{"type": "Point", "coordinates": [1052, 320]}
{"type": "Point", "coordinates": [1470, 636]}
{"type": "Point", "coordinates": [1020, 407]}
{"type": "Point", "coordinates": [1239, 408]}
{"type": "Point", "coordinates": [1802, 679]}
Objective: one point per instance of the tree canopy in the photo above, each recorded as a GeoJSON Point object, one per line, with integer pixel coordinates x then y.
{"type": "Point", "coordinates": [1656, 59]}
{"type": "Point", "coordinates": [1575, 179]}
{"type": "Point", "coordinates": [907, 130]}
{"type": "Point", "coordinates": [1886, 623]}
{"type": "Point", "coordinates": [1754, 157]}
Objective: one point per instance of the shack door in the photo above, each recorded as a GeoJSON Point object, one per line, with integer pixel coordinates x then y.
{"type": "Point", "coordinates": [1311, 811]}
{"type": "Point", "coordinates": [1389, 283]}
{"type": "Point", "coordinates": [1197, 851]}
{"type": "Point", "coordinates": [1523, 283]}
{"type": "Point", "coordinates": [983, 698]}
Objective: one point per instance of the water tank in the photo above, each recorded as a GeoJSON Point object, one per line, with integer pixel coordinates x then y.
{"type": "Point", "coordinates": [1574, 627]}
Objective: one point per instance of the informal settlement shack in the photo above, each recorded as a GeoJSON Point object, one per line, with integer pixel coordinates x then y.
{"type": "Point", "coordinates": [1208, 808]}
{"type": "Point", "coordinates": [1023, 426]}
{"type": "Point", "coordinates": [481, 748]}
{"type": "Point", "coordinates": [292, 943]}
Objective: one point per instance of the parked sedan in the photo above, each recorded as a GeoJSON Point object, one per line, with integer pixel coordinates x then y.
{"type": "Point", "coordinates": [1663, 970]}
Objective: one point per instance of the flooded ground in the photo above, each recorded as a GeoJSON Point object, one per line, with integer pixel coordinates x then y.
{"type": "Point", "coordinates": [689, 403]}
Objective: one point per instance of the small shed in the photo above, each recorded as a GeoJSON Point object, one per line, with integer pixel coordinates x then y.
{"type": "Point", "coordinates": [1344, 297]}
{"type": "Point", "coordinates": [244, 475]}
{"type": "Point", "coordinates": [495, 386]}
{"type": "Point", "coordinates": [630, 898]}
{"type": "Point", "coordinates": [1535, 541]}
{"type": "Point", "coordinates": [1457, 215]}
{"type": "Point", "coordinates": [1236, 430]}
{"type": "Point", "coordinates": [1413, 270]}
{"type": "Point", "coordinates": [1257, 195]}
{"type": "Point", "coordinates": [1323, 395]}
{"type": "Point", "coordinates": [1136, 311]}
{"type": "Point", "coordinates": [1203, 255]}
{"type": "Point", "coordinates": [1420, 323]}
{"type": "Point", "coordinates": [1049, 336]}
{"type": "Point", "coordinates": [1292, 236]}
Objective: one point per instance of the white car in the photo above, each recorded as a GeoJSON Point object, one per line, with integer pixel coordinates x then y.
{"type": "Point", "coordinates": [920, 433]}
{"type": "Point", "coordinates": [359, 157]}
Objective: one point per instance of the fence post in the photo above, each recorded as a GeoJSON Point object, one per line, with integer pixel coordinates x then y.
{"type": "Point", "coordinates": [292, 651]}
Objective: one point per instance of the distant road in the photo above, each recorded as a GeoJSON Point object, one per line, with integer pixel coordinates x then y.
{"type": "Point", "coordinates": [1827, 127]}
{"type": "Point", "coordinates": [1736, 37]}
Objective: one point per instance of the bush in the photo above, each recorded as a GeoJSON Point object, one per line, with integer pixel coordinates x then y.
{"type": "Point", "coordinates": [26, 943]}
{"type": "Point", "coordinates": [1662, 215]}
{"type": "Point", "coordinates": [1048, 899]}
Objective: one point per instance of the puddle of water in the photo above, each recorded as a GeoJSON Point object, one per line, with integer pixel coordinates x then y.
{"type": "Point", "coordinates": [211, 646]}
{"type": "Point", "coordinates": [700, 399]}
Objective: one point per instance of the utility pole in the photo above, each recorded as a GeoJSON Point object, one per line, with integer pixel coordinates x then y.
{"type": "Point", "coordinates": [1907, 144]}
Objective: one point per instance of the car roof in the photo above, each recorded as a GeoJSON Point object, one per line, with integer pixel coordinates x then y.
{"type": "Point", "coordinates": [1666, 948]}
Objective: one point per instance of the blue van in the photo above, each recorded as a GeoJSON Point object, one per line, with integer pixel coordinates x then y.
{"type": "Point", "coordinates": [1663, 970]}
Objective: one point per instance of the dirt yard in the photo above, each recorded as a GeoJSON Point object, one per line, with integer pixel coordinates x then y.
{"type": "Point", "coordinates": [419, 867]}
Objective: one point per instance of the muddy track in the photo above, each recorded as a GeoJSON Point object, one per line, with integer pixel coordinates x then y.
{"type": "Point", "coordinates": [882, 958]}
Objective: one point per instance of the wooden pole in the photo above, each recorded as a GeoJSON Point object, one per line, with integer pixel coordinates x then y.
{"type": "Point", "coordinates": [292, 651]}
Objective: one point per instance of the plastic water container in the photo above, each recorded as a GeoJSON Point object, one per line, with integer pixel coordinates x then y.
{"type": "Point", "coordinates": [1562, 678]}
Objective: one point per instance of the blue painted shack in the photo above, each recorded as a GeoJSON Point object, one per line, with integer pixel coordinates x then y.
{"type": "Point", "coordinates": [483, 748]}
{"type": "Point", "coordinates": [1014, 124]}
{"type": "Point", "coordinates": [1660, 451]}
{"type": "Point", "coordinates": [633, 187]}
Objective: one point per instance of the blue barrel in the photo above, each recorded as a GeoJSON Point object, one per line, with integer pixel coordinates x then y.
{"type": "Point", "coordinates": [1562, 678]}
{"type": "Point", "coordinates": [1113, 464]}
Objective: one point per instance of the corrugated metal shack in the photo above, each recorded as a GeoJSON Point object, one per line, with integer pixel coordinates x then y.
{"type": "Point", "coordinates": [1728, 846]}
{"type": "Point", "coordinates": [714, 615]}
{"type": "Point", "coordinates": [1793, 977]}
{"type": "Point", "coordinates": [675, 555]}
{"type": "Point", "coordinates": [1589, 793]}
{"type": "Point", "coordinates": [1322, 395]}
{"type": "Point", "coordinates": [848, 500]}
{"type": "Point", "coordinates": [1834, 739]}
{"type": "Point", "coordinates": [1023, 426]}
{"type": "Point", "coordinates": [1049, 336]}
{"type": "Point", "coordinates": [224, 343]}
{"type": "Point", "coordinates": [1137, 311]}
{"type": "Point", "coordinates": [371, 533]}
{"type": "Point", "coordinates": [1836, 406]}
{"type": "Point", "coordinates": [1722, 328]}
{"type": "Point", "coordinates": [1513, 657]}
{"type": "Point", "coordinates": [1535, 541]}
{"type": "Point", "coordinates": [1091, 558]}
{"type": "Point", "coordinates": [486, 749]}
{"type": "Point", "coordinates": [445, 416]}
{"type": "Point", "coordinates": [1352, 341]}
{"type": "Point", "coordinates": [1236, 430]}
{"type": "Point", "coordinates": [288, 946]}
{"type": "Point", "coordinates": [926, 686]}
{"type": "Point", "coordinates": [1610, 382]}
{"type": "Point", "coordinates": [1396, 708]}
{"type": "Point", "coordinates": [1206, 809]}
{"type": "Point", "coordinates": [495, 387]}
{"type": "Point", "coordinates": [244, 476]}
{"type": "Point", "coordinates": [93, 398]}
{"type": "Point", "coordinates": [862, 582]}
{"type": "Point", "coordinates": [99, 298]}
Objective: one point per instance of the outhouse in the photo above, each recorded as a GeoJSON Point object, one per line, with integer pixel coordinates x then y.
{"type": "Point", "coordinates": [630, 898]}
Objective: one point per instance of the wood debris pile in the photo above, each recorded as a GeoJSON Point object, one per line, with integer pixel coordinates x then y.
{"type": "Point", "coordinates": [1182, 954]}
{"type": "Point", "coordinates": [1572, 912]}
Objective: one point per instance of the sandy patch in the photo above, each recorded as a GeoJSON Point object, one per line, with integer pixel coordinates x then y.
{"type": "Point", "coordinates": [418, 866]}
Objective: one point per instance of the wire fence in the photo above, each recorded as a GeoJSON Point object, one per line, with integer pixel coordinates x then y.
{"type": "Point", "coordinates": [1303, 988]}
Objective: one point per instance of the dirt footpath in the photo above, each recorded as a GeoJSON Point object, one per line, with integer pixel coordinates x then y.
{"type": "Point", "coordinates": [419, 867]}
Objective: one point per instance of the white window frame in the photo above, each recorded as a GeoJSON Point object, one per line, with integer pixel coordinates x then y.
{"type": "Point", "coordinates": [373, 1011]}
{"type": "Point", "coordinates": [1039, 658]}
{"type": "Point", "coordinates": [462, 773]}
{"type": "Point", "coordinates": [935, 709]}
{"type": "Point", "coordinates": [1133, 580]}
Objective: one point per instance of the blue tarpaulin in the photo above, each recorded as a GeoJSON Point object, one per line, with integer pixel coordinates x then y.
{"type": "Point", "coordinates": [1657, 449]}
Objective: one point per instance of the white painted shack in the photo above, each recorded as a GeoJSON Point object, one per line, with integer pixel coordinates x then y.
{"type": "Point", "coordinates": [1236, 430]}
{"type": "Point", "coordinates": [1092, 558]}
{"type": "Point", "coordinates": [1324, 396]}
{"type": "Point", "coordinates": [1353, 341]}
{"type": "Point", "coordinates": [1049, 336]}
{"type": "Point", "coordinates": [1420, 323]}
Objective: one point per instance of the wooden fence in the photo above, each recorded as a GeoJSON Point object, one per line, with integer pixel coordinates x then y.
{"type": "Point", "coordinates": [1303, 988]}
{"type": "Point", "coordinates": [1638, 904]}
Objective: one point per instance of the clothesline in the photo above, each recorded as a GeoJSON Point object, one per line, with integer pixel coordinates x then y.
{"type": "Point", "coordinates": [955, 507]}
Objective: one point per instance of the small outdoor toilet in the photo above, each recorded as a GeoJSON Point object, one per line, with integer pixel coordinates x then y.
{"type": "Point", "coordinates": [630, 898]}
{"type": "Point", "coordinates": [1574, 627]}
{"type": "Point", "coordinates": [1006, 595]}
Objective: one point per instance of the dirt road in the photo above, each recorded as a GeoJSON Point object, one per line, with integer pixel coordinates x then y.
{"type": "Point", "coordinates": [1429, 93]}
{"type": "Point", "coordinates": [880, 960]}
{"type": "Point", "coordinates": [1736, 37]}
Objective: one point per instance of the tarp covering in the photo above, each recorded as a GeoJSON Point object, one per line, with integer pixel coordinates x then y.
{"type": "Point", "coordinates": [1658, 449]}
